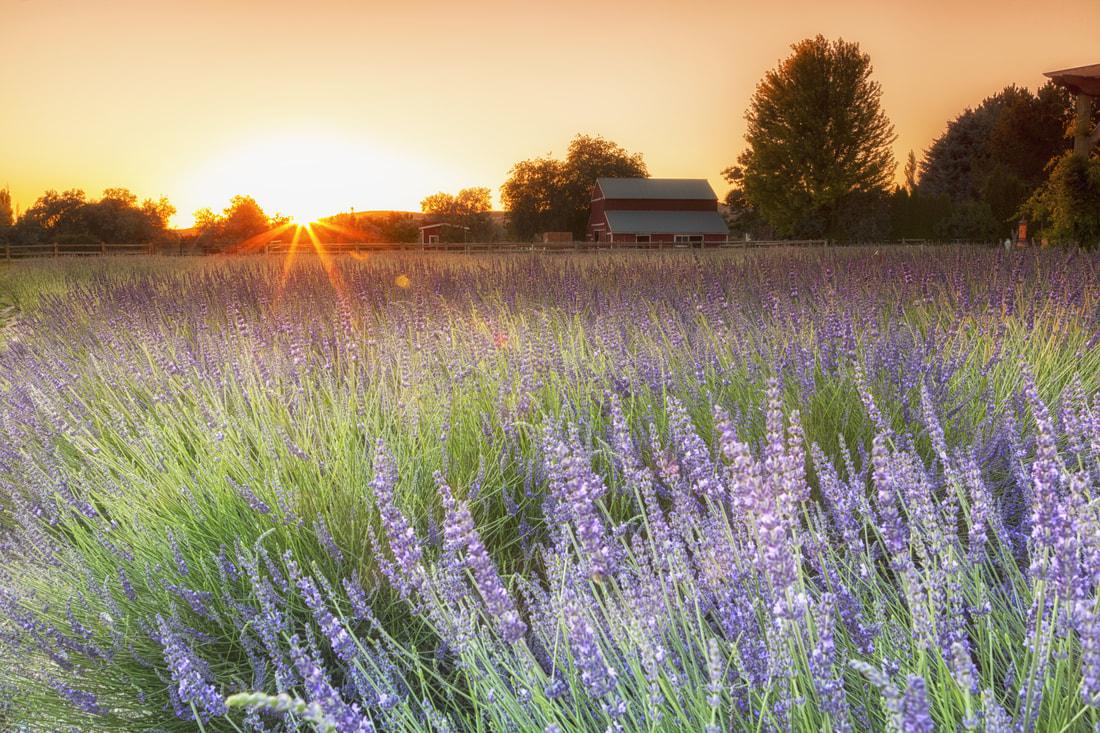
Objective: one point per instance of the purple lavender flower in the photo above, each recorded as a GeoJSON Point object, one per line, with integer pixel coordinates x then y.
{"type": "Point", "coordinates": [319, 690]}
{"type": "Point", "coordinates": [895, 534]}
{"type": "Point", "coordinates": [338, 637]}
{"type": "Point", "coordinates": [913, 714]}
{"type": "Point", "coordinates": [190, 675]}
{"type": "Point", "coordinates": [409, 574]}
{"type": "Point", "coordinates": [575, 490]}
{"type": "Point", "coordinates": [80, 699]}
{"type": "Point", "coordinates": [181, 563]}
{"type": "Point", "coordinates": [325, 538]}
{"type": "Point", "coordinates": [823, 657]}
{"type": "Point", "coordinates": [253, 501]}
{"type": "Point", "coordinates": [597, 676]}
{"type": "Point", "coordinates": [360, 606]}
{"type": "Point", "coordinates": [460, 532]}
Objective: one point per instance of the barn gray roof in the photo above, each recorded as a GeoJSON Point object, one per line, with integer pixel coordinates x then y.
{"type": "Point", "coordinates": [666, 222]}
{"type": "Point", "coordinates": [656, 188]}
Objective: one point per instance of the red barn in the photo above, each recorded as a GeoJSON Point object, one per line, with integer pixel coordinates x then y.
{"type": "Point", "coordinates": [443, 232]}
{"type": "Point", "coordinates": [639, 210]}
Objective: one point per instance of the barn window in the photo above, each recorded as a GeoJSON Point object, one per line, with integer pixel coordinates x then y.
{"type": "Point", "coordinates": [643, 238]}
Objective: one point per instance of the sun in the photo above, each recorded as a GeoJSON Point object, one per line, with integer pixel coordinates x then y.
{"type": "Point", "coordinates": [311, 174]}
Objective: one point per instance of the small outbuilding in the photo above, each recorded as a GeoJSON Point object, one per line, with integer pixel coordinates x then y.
{"type": "Point", "coordinates": [656, 210]}
{"type": "Point", "coordinates": [443, 232]}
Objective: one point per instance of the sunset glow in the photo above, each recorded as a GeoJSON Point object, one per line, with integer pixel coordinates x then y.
{"type": "Point", "coordinates": [320, 108]}
{"type": "Point", "coordinates": [307, 174]}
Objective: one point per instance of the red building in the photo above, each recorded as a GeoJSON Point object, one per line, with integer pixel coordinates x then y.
{"type": "Point", "coordinates": [638, 210]}
{"type": "Point", "coordinates": [443, 232]}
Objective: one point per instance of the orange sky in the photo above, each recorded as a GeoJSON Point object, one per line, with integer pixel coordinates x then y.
{"type": "Point", "coordinates": [319, 106]}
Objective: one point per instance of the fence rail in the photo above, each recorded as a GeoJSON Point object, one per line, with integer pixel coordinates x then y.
{"type": "Point", "coordinates": [22, 251]}
{"type": "Point", "coordinates": [15, 252]}
{"type": "Point", "coordinates": [494, 247]}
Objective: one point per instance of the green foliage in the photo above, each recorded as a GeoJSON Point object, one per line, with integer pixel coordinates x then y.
{"type": "Point", "coordinates": [468, 208]}
{"type": "Point", "coordinates": [7, 217]}
{"type": "Point", "coordinates": [70, 218]}
{"type": "Point", "coordinates": [544, 194]}
{"type": "Point", "coordinates": [1067, 207]}
{"type": "Point", "coordinates": [990, 158]}
{"type": "Point", "coordinates": [914, 215]}
{"type": "Point", "coordinates": [819, 141]}
{"type": "Point", "coordinates": [395, 226]}
{"type": "Point", "coordinates": [531, 196]}
{"type": "Point", "coordinates": [243, 222]}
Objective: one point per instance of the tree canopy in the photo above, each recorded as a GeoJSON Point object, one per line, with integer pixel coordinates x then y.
{"type": "Point", "coordinates": [1066, 207]}
{"type": "Point", "coordinates": [7, 214]}
{"type": "Point", "coordinates": [992, 157]}
{"type": "Point", "coordinates": [818, 141]}
{"type": "Point", "coordinates": [468, 208]}
{"type": "Point", "coordinates": [241, 221]}
{"type": "Point", "coordinates": [545, 194]}
{"type": "Point", "coordinates": [69, 217]}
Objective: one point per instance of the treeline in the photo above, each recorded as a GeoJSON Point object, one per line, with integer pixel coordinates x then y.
{"type": "Point", "coordinates": [70, 217]}
{"type": "Point", "coordinates": [819, 162]}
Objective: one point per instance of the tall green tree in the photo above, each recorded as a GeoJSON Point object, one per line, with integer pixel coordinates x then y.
{"type": "Point", "coordinates": [545, 194]}
{"type": "Point", "coordinates": [818, 141]}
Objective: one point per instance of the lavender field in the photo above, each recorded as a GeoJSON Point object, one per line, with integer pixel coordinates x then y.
{"type": "Point", "coordinates": [843, 490]}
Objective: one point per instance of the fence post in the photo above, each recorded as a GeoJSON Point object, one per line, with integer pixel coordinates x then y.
{"type": "Point", "coordinates": [55, 249]}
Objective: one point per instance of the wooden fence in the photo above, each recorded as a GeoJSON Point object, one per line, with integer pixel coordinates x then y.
{"type": "Point", "coordinates": [22, 251]}
{"type": "Point", "coordinates": [15, 252]}
{"type": "Point", "coordinates": [504, 247]}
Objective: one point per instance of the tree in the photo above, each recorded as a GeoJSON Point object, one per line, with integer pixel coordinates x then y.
{"type": "Point", "coordinates": [588, 158]}
{"type": "Point", "coordinates": [910, 173]}
{"type": "Point", "coordinates": [7, 215]}
{"type": "Point", "coordinates": [741, 216]}
{"type": "Point", "coordinates": [241, 221]}
{"type": "Point", "coordinates": [544, 194]}
{"type": "Point", "coordinates": [118, 218]}
{"type": "Point", "coordinates": [70, 218]}
{"type": "Point", "coordinates": [395, 226]}
{"type": "Point", "coordinates": [532, 195]}
{"type": "Point", "coordinates": [818, 140]}
{"type": "Point", "coordinates": [468, 208]}
{"type": "Point", "coordinates": [992, 157]}
{"type": "Point", "coordinates": [1067, 206]}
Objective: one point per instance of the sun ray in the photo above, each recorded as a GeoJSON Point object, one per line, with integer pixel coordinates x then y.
{"type": "Point", "coordinates": [260, 240]}
{"type": "Point", "coordinates": [327, 264]}
{"type": "Point", "coordinates": [288, 261]}
{"type": "Point", "coordinates": [358, 235]}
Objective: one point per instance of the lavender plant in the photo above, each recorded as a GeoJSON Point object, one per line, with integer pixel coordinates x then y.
{"type": "Point", "coordinates": [848, 490]}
